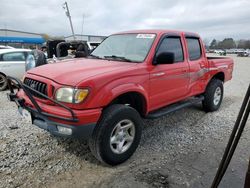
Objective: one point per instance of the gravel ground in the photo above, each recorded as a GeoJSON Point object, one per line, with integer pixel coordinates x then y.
{"type": "Point", "coordinates": [182, 149]}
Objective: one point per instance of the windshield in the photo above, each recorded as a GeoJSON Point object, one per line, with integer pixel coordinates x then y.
{"type": "Point", "coordinates": [125, 47]}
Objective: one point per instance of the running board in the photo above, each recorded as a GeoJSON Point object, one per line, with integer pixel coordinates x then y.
{"type": "Point", "coordinates": [174, 107]}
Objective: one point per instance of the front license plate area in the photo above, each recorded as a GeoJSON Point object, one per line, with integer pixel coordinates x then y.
{"type": "Point", "coordinates": [25, 114]}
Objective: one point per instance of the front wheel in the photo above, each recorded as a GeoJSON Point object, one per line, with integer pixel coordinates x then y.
{"type": "Point", "coordinates": [117, 134]}
{"type": "Point", "coordinates": [3, 82]}
{"type": "Point", "coordinates": [213, 95]}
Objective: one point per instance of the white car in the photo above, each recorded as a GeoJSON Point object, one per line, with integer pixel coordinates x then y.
{"type": "Point", "coordinates": [6, 47]}
{"type": "Point", "coordinates": [12, 63]}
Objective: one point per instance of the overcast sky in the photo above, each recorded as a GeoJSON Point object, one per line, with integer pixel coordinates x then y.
{"type": "Point", "coordinates": [209, 18]}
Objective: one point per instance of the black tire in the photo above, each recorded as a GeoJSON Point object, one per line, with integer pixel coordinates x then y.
{"type": "Point", "coordinates": [3, 82]}
{"type": "Point", "coordinates": [100, 142]}
{"type": "Point", "coordinates": [210, 103]}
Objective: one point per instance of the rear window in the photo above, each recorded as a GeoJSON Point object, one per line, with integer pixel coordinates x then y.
{"type": "Point", "coordinates": [194, 48]}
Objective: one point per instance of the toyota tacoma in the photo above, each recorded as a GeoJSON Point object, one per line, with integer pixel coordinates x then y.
{"type": "Point", "coordinates": [129, 76]}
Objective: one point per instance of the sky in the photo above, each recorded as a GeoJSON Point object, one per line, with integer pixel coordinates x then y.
{"type": "Point", "coordinates": [210, 18]}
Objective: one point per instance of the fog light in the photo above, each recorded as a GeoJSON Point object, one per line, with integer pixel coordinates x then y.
{"type": "Point", "coordinates": [64, 130]}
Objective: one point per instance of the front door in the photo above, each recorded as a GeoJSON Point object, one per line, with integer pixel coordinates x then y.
{"type": "Point", "coordinates": [169, 82]}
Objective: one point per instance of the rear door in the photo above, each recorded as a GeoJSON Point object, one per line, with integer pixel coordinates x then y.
{"type": "Point", "coordinates": [169, 82]}
{"type": "Point", "coordinates": [13, 64]}
{"type": "Point", "coordinates": [198, 64]}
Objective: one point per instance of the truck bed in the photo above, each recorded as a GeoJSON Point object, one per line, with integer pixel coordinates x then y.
{"type": "Point", "coordinates": [223, 64]}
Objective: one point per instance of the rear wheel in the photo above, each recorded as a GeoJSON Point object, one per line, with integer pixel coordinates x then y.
{"type": "Point", "coordinates": [3, 82]}
{"type": "Point", "coordinates": [213, 95]}
{"type": "Point", "coordinates": [117, 134]}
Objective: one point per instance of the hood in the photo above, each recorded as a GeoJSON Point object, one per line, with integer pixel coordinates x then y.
{"type": "Point", "coordinates": [71, 72]}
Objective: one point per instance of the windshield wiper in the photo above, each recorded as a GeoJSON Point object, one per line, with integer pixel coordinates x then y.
{"type": "Point", "coordinates": [95, 56]}
{"type": "Point", "coordinates": [118, 57]}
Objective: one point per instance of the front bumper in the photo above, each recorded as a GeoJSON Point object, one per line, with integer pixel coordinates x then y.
{"type": "Point", "coordinates": [81, 131]}
{"type": "Point", "coordinates": [59, 120]}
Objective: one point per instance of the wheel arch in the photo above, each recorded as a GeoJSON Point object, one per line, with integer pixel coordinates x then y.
{"type": "Point", "coordinates": [219, 76]}
{"type": "Point", "coordinates": [5, 84]}
{"type": "Point", "coordinates": [3, 74]}
{"type": "Point", "coordinates": [134, 99]}
{"type": "Point", "coordinates": [131, 94]}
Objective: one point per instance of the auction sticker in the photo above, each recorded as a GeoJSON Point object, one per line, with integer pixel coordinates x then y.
{"type": "Point", "coordinates": [145, 36]}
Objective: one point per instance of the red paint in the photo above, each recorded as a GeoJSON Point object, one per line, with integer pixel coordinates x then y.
{"type": "Point", "coordinates": [109, 79]}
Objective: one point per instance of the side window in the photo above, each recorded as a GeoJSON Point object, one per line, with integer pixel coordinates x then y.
{"type": "Point", "coordinates": [13, 56]}
{"type": "Point", "coordinates": [194, 48]}
{"type": "Point", "coordinates": [172, 44]}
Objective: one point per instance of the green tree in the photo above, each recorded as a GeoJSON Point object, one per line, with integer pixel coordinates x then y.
{"type": "Point", "coordinates": [248, 44]}
{"type": "Point", "coordinates": [227, 43]}
{"type": "Point", "coordinates": [213, 44]}
{"type": "Point", "coordinates": [244, 44]}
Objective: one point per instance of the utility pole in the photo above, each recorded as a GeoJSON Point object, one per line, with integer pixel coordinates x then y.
{"type": "Point", "coordinates": [66, 8]}
{"type": "Point", "coordinates": [82, 25]}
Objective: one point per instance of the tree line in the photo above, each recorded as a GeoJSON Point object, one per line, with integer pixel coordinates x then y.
{"type": "Point", "coordinates": [228, 43]}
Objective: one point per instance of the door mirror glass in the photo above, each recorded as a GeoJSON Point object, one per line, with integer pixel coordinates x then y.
{"type": "Point", "coordinates": [165, 58]}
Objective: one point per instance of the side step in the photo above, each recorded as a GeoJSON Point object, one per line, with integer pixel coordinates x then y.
{"type": "Point", "coordinates": [174, 107]}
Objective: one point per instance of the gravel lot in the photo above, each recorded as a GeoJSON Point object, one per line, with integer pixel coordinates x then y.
{"type": "Point", "coordinates": [182, 149]}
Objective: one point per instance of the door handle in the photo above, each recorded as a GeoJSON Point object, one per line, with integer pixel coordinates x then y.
{"type": "Point", "coordinates": [202, 66]}
{"type": "Point", "coordinates": [159, 74]}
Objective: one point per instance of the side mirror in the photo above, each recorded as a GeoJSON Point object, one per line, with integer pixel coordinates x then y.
{"type": "Point", "coordinates": [165, 58]}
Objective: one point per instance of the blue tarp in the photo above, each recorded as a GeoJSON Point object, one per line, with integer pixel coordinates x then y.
{"type": "Point", "coordinates": [4, 39]}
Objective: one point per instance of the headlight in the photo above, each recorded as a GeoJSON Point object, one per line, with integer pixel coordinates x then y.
{"type": "Point", "coordinates": [71, 95]}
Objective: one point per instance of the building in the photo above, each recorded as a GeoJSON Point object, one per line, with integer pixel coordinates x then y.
{"type": "Point", "coordinates": [20, 39]}
{"type": "Point", "coordinates": [88, 38]}
{"type": "Point", "coordinates": [23, 39]}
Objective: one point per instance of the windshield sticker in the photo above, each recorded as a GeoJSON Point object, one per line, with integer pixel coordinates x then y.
{"type": "Point", "coordinates": [145, 36]}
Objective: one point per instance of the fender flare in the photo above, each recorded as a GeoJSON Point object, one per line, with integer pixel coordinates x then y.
{"type": "Point", "coordinates": [119, 90]}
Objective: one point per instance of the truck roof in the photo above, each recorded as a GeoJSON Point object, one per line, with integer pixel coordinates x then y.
{"type": "Point", "coordinates": [159, 31]}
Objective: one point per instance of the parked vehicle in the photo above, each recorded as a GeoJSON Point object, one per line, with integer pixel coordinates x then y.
{"type": "Point", "coordinates": [12, 63]}
{"type": "Point", "coordinates": [223, 53]}
{"type": "Point", "coordinates": [5, 47]}
{"type": "Point", "coordinates": [230, 51]}
{"type": "Point", "coordinates": [58, 50]}
{"type": "Point", "coordinates": [220, 52]}
{"type": "Point", "coordinates": [129, 76]}
{"type": "Point", "coordinates": [243, 54]}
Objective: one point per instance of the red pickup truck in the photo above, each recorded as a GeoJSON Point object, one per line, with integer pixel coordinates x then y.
{"type": "Point", "coordinates": [129, 76]}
